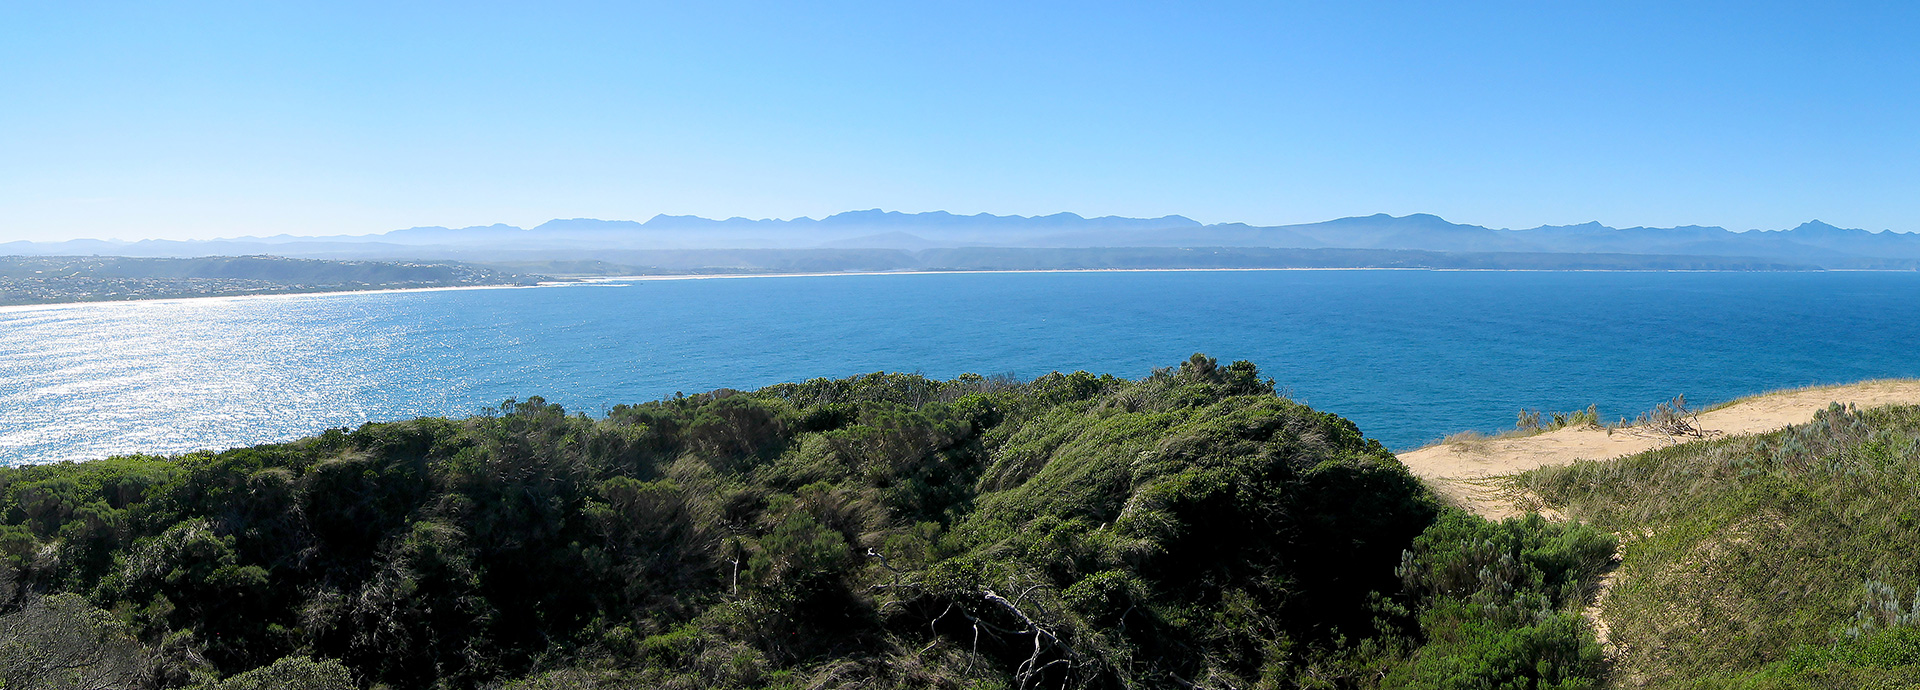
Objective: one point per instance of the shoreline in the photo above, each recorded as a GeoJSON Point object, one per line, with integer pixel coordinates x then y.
{"type": "Point", "coordinates": [1476, 473]}
{"type": "Point", "coordinates": [8, 308]}
{"type": "Point", "coordinates": [562, 281]}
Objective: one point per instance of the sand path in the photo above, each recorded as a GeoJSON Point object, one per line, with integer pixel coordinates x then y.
{"type": "Point", "coordinates": [1473, 475]}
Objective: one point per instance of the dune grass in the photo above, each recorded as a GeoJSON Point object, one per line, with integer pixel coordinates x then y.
{"type": "Point", "coordinates": [1800, 389]}
{"type": "Point", "coordinates": [1781, 560]}
{"type": "Point", "coordinates": [1529, 422]}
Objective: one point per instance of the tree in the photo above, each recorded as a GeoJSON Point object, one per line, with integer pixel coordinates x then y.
{"type": "Point", "coordinates": [292, 673]}
{"type": "Point", "coordinates": [62, 643]}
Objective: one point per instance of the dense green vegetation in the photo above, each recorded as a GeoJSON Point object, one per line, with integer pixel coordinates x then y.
{"type": "Point", "coordinates": [1189, 529]}
{"type": "Point", "coordinates": [1781, 560]}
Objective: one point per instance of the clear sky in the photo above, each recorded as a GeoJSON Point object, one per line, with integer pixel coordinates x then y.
{"type": "Point", "coordinates": [207, 119]}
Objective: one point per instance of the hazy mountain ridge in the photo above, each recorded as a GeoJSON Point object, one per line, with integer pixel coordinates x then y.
{"type": "Point", "coordinates": [1813, 242]}
{"type": "Point", "coordinates": [672, 232]}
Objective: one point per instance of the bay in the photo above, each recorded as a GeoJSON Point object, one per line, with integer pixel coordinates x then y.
{"type": "Point", "coordinates": [1408, 355]}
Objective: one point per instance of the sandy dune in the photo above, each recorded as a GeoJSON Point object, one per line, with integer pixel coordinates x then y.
{"type": "Point", "coordinates": [1469, 474]}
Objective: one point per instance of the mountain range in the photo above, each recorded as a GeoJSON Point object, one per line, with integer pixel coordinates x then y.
{"type": "Point", "coordinates": [1812, 244]}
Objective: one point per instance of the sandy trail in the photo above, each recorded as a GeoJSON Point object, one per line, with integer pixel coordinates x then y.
{"type": "Point", "coordinates": [1473, 475]}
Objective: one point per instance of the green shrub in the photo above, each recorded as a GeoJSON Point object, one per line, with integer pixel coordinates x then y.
{"type": "Point", "coordinates": [1497, 603]}
{"type": "Point", "coordinates": [292, 673]}
{"type": "Point", "coordinates": [885, 530]}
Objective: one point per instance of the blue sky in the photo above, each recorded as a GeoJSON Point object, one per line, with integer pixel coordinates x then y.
{"type": "Point", "coordinates": [207, 119]}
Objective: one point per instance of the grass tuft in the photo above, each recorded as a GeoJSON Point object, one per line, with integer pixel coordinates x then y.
{"type": "Point", "coordinates": [1740, 553]}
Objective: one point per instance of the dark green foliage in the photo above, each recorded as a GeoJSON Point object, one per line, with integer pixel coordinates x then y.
{"type": "Point", "coordinates": [61, 642]}
{"type": "Point", "coordinates": [1501, 563]}
{"type": "Point", "coordinates": [291, 673]}
{"type": "Point", "coordinates": [880, 531]}
{"type": "Point", "coordinates": [1496, 599]}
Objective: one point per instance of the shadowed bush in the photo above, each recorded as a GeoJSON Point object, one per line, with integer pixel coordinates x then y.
{"type": "Point", "coordinates": [884, 530]}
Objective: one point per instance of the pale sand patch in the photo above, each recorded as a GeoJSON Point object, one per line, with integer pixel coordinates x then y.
{"type": "Point", "coordinates": [1475, 475]}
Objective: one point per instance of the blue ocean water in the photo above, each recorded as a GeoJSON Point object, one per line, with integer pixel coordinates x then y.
{"type": "Point", "coordinates": [1408, 355]}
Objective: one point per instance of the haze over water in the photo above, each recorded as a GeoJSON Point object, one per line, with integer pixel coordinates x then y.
{"type": "Point", "coordinates": [1408, 355]}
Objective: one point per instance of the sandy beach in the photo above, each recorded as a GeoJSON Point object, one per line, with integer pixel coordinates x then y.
{"type": "Point", "coordinates": [1469, 474]}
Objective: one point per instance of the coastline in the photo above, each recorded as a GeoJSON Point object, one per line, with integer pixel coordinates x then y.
{"type": "Point", "coordinates": [647, 277]}
{"type": "Point", "coordinates": [1474, 473]}
{"type": "Point", "coordinates": [8, 308]}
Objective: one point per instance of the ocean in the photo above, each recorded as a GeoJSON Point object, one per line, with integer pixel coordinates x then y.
{"type": "Point", "coordinates": [1410, 356]}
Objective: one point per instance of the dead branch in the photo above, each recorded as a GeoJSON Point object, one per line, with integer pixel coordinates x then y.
{"type": "Point", "coordinates": [1669, 420]}
{"type": "Point", "coordinates": [1041, 636]}
{"type": "Point", "coordinates": [884, 563]}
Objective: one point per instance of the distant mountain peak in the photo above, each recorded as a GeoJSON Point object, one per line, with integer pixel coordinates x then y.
{"type": "Point", "coordinates": [570, 224]}
{"type": "Point", "coordinates": [1819, 227]}
{"type": "Point", "coordinates": [1419, 219]}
